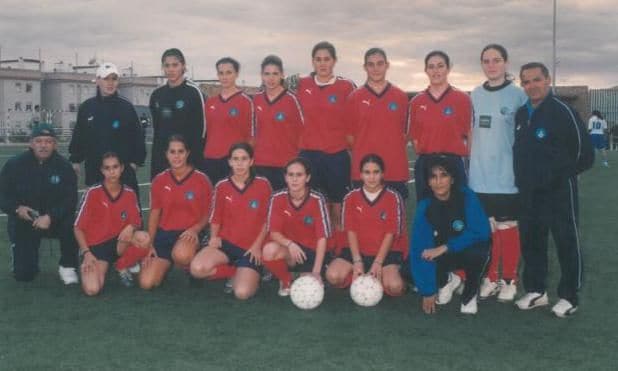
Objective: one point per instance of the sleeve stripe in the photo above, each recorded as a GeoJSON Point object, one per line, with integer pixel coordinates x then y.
{"type": "Point", "coordinates": [324, 213]}
{"type": "Point", "coordinates": [194, 85]}
{"type": "Point", "coordinates": [252, 108]}
{"type": "Point", "coordinates": [574, 121]}
{"type": "Point", "coordinates": [82, 205]}
{"type": "Point", "coordinates": [300, 110]}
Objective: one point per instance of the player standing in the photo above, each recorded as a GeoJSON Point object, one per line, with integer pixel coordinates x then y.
{"type": "Point", "coordinates": [179, 207]}
{"type": "Point", "coordinates": [491, 168]}
{"type": "Point", "coordinates": [278, 123]}
{"type": "Point", "coordinates": [374, 219]}
{"type": "Point", "coordinates": [230, 119]}
{"type": "Point", "coordinates": [597, 127]}
{"type": "Point", "coordinates": [177, 108]}
{"type": "Point", "coordinates": [439, 120]}
{"type": "Point", "coordinates": [237, 226]}
{"type": "Point", "coordinates": [299, 224]}
{"type": "Point", "coordinates": [376, 114]}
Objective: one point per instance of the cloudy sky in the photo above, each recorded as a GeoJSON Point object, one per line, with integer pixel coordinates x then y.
{"type": "Point", "coordinates": [138, 31]}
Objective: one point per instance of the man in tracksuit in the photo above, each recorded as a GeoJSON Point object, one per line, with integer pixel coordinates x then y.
{"type": "Point", "coordinates": [107, 122]}
{"type": "Point", "coordinates": [38, 192]}
{"type": "Point", "coordinates": [551, 148]}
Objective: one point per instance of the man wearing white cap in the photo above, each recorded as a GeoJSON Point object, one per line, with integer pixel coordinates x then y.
{"type": "Point", "coordinates": [107, 122]}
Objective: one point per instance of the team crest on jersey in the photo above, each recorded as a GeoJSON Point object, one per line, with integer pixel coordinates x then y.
{"type": "Point", "coordinates": [123, 215]}
{"type": "Point", "coordinates": [54, 179]}
{"type": "Point", "coordinates": [541, 133]}
{"type": "Point", "coordinates": [116, 124]}
{"type": "Point", "coordinates": [180, 104]}
{"type": "Point", "coordinates": [457, 225]}
{"type": "Point", "coordinates": [448, 111]}
{"type": "Point", "coordinates": [280, 116]}
{"type": "Point", "coordinates": [189, 195]}
{"type": "Point", "coordinates": [332, 99]}
{"type": "Point", "coordinates": [253, 204]}
{"type": "Point", "coordinates": [383, 216]}
{"type": "Point", "coordinates": [166, 112]}
{"type": "Point", "coordinates": [393, 106]}
{"type": "Point", "coordinates": [233, 112]}
{"type": "Point", "coordinates": [308, 220]}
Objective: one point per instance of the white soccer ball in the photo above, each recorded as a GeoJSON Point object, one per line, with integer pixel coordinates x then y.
{"type": "Point", "coordinates": [307, 292]}
{"type": "Point", "coordinates": [366, 291]}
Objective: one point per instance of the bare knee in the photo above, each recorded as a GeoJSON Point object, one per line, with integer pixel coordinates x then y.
{"type": "Point", "coordinates": [394, 287]}
{"type": "Point", "coordinates": [148, 281]}
{"type": "Point", "coordinates": [91, 289]}
{"type": "Point", "coordinates": [334, 276]}
{"type": "Point", "coordinates": [141, 239]}
{"type": "Point", "coordinates": [244, 292]}
{"type": "Point", "coordinates": [270, 251]}
{"type": "Point", "coordinates": [182, 257]}
{"type": "Point", "coordinates": [200, 269]}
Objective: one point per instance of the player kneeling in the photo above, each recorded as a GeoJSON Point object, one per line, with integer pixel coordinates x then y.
{"type": "Point", "coordinates": [237, 226]}
{"type": "Point", "coordinates": [107, 228]}
{"type": "Point", "coordinates": [299, 225]}
{"type": "Point", "coordinates": [373, 217]}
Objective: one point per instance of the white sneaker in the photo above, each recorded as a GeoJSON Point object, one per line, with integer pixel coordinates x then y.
{"type": "Point", "coordinates": [445, 294]}
{"type": "Point", "coordinates": [284, 290]}
{"type": "Point", "coordinates": [508, 290]}
{"type": "Point", "coordinates": [564, 308]}
{"type": "Point", "coordinates": [471, 307]}
{"type": "Point", "coordinates": [532, 300]}
{"type": "Point", "coordinates": [135, 269]}
{"type": "Point", "coordinates": [68, 275]}
{"type": "Point", "coordinates": [488, 288]}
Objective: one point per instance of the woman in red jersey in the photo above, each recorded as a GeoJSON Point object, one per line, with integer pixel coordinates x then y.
{"type": "Point", "coordinates": [230, 119]}
{"type": "Point", "coordinates": [278, 124]}
{"type": "Point", "coordinates": [440, 119]}
{"type": "Point", "coordinates": [299, 224]}
{"type": "Point", "coordinates": [180, 202]}
{"type": "Point", "coordinates": [374, 219]}
{"type": "Point", "coordinates": [107, 228]}
{"type": "Point", "coordinates": [237, 226]}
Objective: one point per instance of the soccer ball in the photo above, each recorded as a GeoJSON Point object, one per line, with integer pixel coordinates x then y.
{"type": "Point", "coordinates": [307, 292]}
{"type": "Point", "coordinates": [366, 291]}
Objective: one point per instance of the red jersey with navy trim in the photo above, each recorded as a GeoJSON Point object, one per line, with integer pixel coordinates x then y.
{"type": "Point", "coordinates": [241, 213]}
{"type": "Point", "coordinates": [229, 121]}
{"type": "Point", "coordinates": [441, 125]}
{"type": "Point", "coordinates": [324, 110]}
{"type": "Point", "coordinates": [184, 202]}
{"type": "Point", "coordinates": [277, 130]}
{"type": "Point", "coordinates": [102, 217]}
{"type": "Point", "coordinates": [378, 124]}
{"type": "Point", "coordinates": [304, 224]}
{"type": "Point", "coordinates": [372, 220]}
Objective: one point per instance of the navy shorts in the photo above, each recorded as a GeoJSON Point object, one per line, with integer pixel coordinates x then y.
{"type": "Point", "coordinates": [275, 176]}
{"type": "Point", "coordinates": [307, 265]}
{"type": "Point", "coordinates": [330, 173]}
{"type": "Point", "coordinates": [164, 242]}
{"type": "Point", "coordinates": [502, 207]}
{"type": "Point", "coordinates": [106, 251]}
{"type": "Point", "coordinates": [399, 187]}
{"type": "Point", "coordinates": [216, 169]}
{"type": "Point", "coordinates": [598, 141]}
{"type": "Point", "coordinates": [237, 257]}
{"type": "Point", "coordinates": [393, 257]}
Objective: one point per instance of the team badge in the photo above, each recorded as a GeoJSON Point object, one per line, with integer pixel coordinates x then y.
{"type": "Point", "coordinates": [392, 106]}
{"type": "Point", "coordinates": [180, 104]}
{"type": "Point", "coordinates": [332, 99]}
{"type": "Point", "coordinates": [116, 124]}
{"type": "Point", "coordinates": [308, 220]}
{"type": "Point", "coordinates": [189, 195]}
{"type": "Point", "coordinates": [233, 112]}
{"type": "Point", "coordinates": [280, 116]}
{"type": "Point", "coordinates": [458, 225]}
{"type": "Point", "coordinates": [435, 233]}
{"type": "Point", "coordinates": [123, 215]}
{"type": "Point", "coordinates": [541, 133]}
{"type": "Point", "coordinates": [448, 111]}
{"type": "Point", "coordinates": [54, 179]}
{"type": "Point", "coordinates": [166, 112]}
{"type": "Point", "coordinates": [253, 204]}
{"type": "Point", "coordinates": [383, 215]}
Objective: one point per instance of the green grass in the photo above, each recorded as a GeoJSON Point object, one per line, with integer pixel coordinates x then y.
{"type": "Point", "coordinates": [46, 326]}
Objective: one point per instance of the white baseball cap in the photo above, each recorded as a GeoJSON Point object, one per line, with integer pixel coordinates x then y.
{"type": "Point", "coordinates": [106, 69]}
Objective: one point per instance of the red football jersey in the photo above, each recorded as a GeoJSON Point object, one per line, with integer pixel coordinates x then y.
{"type": "Point", "coordinates": [229, 121]}
{"type": "Point", "coordinates": [305, 224]}
{"type": "Point", "coordinates": [277, 130]}
{"type": "Point", "coordinates": [371, 220]}
{"type": "Point", "coordinates": [378, 124]}
{"type": "Point", "coordinates": [324, 110]}
{"type": "Point", "coordinates": [182, 202]}
{"type": "Point", "coordinates": [241, 214]}
{"type": "Point", "coordinates": [102, 217]}
{"type": "Point", "coordinates": [441, 125]}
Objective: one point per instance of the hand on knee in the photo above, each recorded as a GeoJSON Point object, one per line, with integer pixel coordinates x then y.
{"type": "Point", "coordinates": [141, 239]}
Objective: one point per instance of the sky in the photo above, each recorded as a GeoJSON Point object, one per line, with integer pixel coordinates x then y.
{"type": "Point", "coordinates": [137, 31]}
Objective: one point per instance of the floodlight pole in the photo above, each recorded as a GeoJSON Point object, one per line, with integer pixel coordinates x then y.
{"type": "Point", "coordinates": [553, 72]}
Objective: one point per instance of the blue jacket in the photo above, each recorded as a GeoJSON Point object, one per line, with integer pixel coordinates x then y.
{"type": "Point", "coordinates": [475, 230]}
